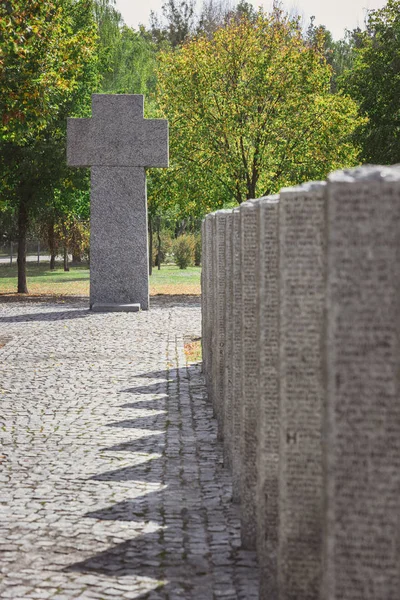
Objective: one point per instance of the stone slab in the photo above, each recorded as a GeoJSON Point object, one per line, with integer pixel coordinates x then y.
{"type": "Point", "coordinates": [204, 295]}
{"type": "Point", "coordinates": [227, 402]}
{"type": "Point", "coordinates": [302, 266]}
{"type": "Point", "coordinates": [267, 500]}
{"type": "Point", "coordinates": [118, 237]}
{"type": "Point", "coordinates": [220, 314]}
{"type": "Point", "coordinates": [115, 307]}
{"type": "Point", "coordinates": [117, 135]}
{"type": "Point", "coordinates": [249, 215]}
{"type": "Point", "coordinates": [210, 305]}
{"type": "Point", "coordinates": [362, 418]}
{"type": "Point", "coordinates": [236, 346]}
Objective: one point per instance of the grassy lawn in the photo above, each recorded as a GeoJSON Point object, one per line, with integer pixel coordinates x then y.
{"type": "Point", "coordinates": [41, 281]}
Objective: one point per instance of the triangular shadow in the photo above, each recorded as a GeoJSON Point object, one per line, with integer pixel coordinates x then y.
{"type": "Point", "coordinates": [155, 404]}
{"type": "Point", "coordinates": [149, 444]}
{"type": "Point", "coordinates": [156, 421]}
{"type": "Point", "coordinates": [141, 472]}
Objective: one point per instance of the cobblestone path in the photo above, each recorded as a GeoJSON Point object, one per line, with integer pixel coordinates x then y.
{"type": "Point", "coordinates": [111, 477]}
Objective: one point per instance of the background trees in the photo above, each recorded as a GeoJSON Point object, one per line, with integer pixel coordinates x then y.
{"type": "Point", "coordinates": [47, 69]}
{"type": "Point", "coordinates": [255, 102]}
{"type": "Point", "coordinates": [251, 109]}
{"type": "Point", "coordinates": [374, 82]}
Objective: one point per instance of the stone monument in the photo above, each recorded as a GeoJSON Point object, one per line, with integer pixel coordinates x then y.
{"type": "Point", "coordinates": [118, 144]}
{"type": "Point", "coordinates": [236, 353]}
{"type": "Point", "coordinates": [249, 215]}
{"type": "Point", "coordinates": [302, 271]}
{"type": "Point", "coordinates": [362, 419]}
{"type": "Point", "coordinates": [267, 498]}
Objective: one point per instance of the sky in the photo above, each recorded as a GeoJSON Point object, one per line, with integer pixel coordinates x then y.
{"type": "Point", "coordinates": [336, 15]}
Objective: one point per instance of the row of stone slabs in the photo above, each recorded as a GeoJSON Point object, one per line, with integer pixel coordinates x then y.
{"type": "Point", "coordinates": [301, 351]}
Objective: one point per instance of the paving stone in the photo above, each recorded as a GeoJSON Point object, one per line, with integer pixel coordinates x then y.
{"type": "Point", "coordinates": [114, 485]}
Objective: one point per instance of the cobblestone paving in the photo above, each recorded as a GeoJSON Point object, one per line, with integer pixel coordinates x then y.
{"type": "Point", "coordinates": [111, 476]}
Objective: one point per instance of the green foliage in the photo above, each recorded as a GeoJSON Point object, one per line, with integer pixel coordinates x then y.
{"type": "Point", "coordinates": [127, 57]}
{"type": "Point", "coordinates": [45, 49]}
{"type": "Point", "coordinates": [197, 249]}
{"type": "Point", "coordinates": [48, 68]}
{"type": "Point", "coordinates": [338, 54]}
{"type": "Point", "coordinates": [164, 248]}
{"type": "Point", "coordinates": [374, 82]}
{"type": "Point", "coordinates": [251, 111]}
{"type": "Point", "coordinates": [176, 23]}
{"type": "Point", "coordinates": [184, 248]}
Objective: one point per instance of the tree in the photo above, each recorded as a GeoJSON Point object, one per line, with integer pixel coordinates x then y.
{"type": "Point", "coordinates": [176, 23]}
{"type": "Point", "coordinates": [251, 110]}
{"type": "Point", "coordinates": [338, 54]}
{"type": "Point", "coordinates": [47, 69]}
{"type": "Point", "coordinates": [374, 82]}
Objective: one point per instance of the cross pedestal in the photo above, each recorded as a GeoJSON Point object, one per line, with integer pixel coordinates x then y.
{"type": "Point", "coordinates": [118, 144]}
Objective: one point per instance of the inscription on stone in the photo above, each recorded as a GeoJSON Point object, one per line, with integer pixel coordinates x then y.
{"type": "Point", "coordinates": [362, 422]}
{"type": "Point", "coordinates": [302, 259]}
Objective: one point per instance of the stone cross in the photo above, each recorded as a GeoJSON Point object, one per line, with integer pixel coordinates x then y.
{"type": "Point", "coordinates": [118, 144]}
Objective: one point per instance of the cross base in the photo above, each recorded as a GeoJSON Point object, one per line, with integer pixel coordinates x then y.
{"type": "Point", "coordinates": [115, 307]}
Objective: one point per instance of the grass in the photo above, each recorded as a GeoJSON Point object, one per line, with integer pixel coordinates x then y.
{"type": "Point", "coordinates": [43, 282]}
{"type": "Point", "coordinates": [193, 351]}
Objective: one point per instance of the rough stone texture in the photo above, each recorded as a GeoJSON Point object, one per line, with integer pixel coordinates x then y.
{"type": "Point", "coordinates": [302, 259]}
{"type": "Point", "coordinates": [115, 307]}
{"type": "Point", "coordinates": [207, 295]}
{"type": "Point", "coordinates": [362, 424]}
{"type": "Point", "coordinates": [117, 142]}
{"type": "Point", "coordinates": [219, 331]}
{"type": "Point", "coordinates": [117, 135]}
{"type": "Point", "coordinates": [111, 476]}
{"type": "Point", "coordinates": [236, 355]}
{"type": "Point", "coordinates": [268, 392]}
{"type": "Point", "coordinates": [204, 297]}
{"type": "Point", "coordinates": [118, 238]}
{"type": "Point", "coordinates": [249, 372]}
{"type": "Point", "coordinates": [227, 403]}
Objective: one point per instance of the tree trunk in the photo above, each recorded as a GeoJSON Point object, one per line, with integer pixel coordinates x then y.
{"type": "Point", "coordinates": [150, 246]}
{"type": "Point", "coordinates": [52, 244]}
{"type": "Point", "coordinates": [66, 266]}
{"type": "Point", "coordinates": [23, 222]}
{"type": "Point", "coordinates": [76, 259]}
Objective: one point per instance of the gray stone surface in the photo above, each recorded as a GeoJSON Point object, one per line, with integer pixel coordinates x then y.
{"type": "Point", "coordinates": [116, 307]}
{"type": "Point", "coordinates": [210, 283]}
{"type": "Point", "coordinates": [117, 135]}
{"type": "Point", "coordinates": [302, 266]}
{"type": "Point", "coordinates": [236, 355]}
{"type": "Point", "coordinates": [118, 143]}
{"type": "Point", "coordinates": [249, 371]}
{"type": "Point", "coordinates": [118, 237]}
{"type": "Point", "coordinates": [268, 393]}
{"type": "Point", "coordinates": [112, 485]}
{"type": "Point", "coordinates": [227, 401]}
{"type": "Point", "coordinates": [362, 422]}
{"type": "Point", "coordinates": [220, 314]}
{"type": "Point", "coordinates": [204, 297]}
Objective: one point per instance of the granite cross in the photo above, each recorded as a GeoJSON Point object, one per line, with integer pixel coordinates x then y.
{"type": "Point", "coordinates": [118, 144]}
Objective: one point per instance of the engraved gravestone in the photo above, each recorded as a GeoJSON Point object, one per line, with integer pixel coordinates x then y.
{"type": "Point", "coordinates": [362, 420]}
{"type": "Point", "coordinates": [249, 372]}
{"type": "Point", "coordinates": [268, 396]}
{"type": "Point", "coordinates": [118, 144]}
{"type": "Point", "coordinates": [302, 258]}
{"type": "Point", "coordinates": [219, 350]}
{"type": "Point", "coordinates": [209, 282]}
{"type": "Point", "coordinates": [236, 355]}
{"type": "Point", "coordinates": [227, 405]}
